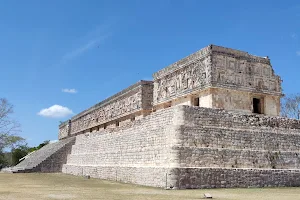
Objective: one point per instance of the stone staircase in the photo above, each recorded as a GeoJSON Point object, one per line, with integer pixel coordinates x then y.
{"type": "Point", "coordinates": [49, 158]}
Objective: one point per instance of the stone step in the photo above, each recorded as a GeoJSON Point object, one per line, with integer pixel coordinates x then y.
{"type": "Point", "coordinates": [31, 163]}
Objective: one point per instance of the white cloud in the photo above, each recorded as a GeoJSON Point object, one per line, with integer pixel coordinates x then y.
{"type": "Point", "coordinates": [73, 91]}
{"type": "Point", "coordinates": [298, 53]}
{"type": "Point", "coordinates": [55, 111]}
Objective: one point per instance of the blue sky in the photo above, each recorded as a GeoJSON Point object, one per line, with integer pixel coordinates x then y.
{"type": "Point", "coordinates": [99, 47]}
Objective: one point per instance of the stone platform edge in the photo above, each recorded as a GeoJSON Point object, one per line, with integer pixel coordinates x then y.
{"type": "Point", "coordinates": [191, 178]}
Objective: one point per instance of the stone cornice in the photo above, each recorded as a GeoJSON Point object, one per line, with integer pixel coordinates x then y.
{"type": "Point", "coordinates": [241, 55]}
{"type": "Point", "coordinates": [206, 51]}
{"type": "Point", "coordinates": [245, 89]}
{"type": "Point", "coordinates": [182, 63]}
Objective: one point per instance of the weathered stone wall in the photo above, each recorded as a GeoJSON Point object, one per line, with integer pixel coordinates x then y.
{"type": "Point", "coordinates": [139, 153]}
{"type": "Point", "coordinates": [144, 142]}
{"type": "Point", "coordinates": [193, 147]}
{"type": "Point", "coordinates": [217, 148]}
{"type": "Point", "coordinates": [237, 158]}
{"type": "Point", "coordinates": [133, 101]}
{"type": "Point", "coordinates": [197, 116]}
{"type": "Point", "coordinates": [192, 178]}
{"type": "Point", "coordinates": [239, 100]}
{"type": "Point", "coordinates": [149, 176]}
{"type": "Point", "coordinates": [237, 138]}
{"type": "Point", "coordinates": [232, 100]}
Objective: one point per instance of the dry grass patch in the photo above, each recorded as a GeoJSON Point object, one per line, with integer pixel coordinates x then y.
{"type": "Point", "coordinates": [62, 186]}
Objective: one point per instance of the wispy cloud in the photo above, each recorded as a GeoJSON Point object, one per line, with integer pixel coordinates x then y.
{"type": "Point", "coordinates": [294, 36]}
{"type": "Point", "coordinates": [92, 39]}
{"type": "Point", "coordinates": [55, 111]}
{"type": "Point", "coordinates": [83, 48]}
{"type": "Point", "coordinates": [298, 53]}
{"type": "Point", "coordinates": [72, 91]}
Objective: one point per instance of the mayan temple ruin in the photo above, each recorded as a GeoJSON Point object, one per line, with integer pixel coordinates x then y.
{"type": "Point", "coordinates": [210, 120]}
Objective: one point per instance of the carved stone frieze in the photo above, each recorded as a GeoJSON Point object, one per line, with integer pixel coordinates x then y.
{"type": "Point", "coordinates": [193, 76]}
{"type": "Point", "coordinates": [216, 67]}
{"type": "Point", "coordinates": [202, 53]}
{"type": "Point", "coordinates": [240, 74]}
{"type": "Point", "coordinates": [63, 130]}
{"type": "Point", "coordinates": [135, 98]}
{"type": "Point", "coordinates": [109, 112]}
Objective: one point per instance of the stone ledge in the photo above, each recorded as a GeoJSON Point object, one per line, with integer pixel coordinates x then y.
{"type": "Point", "coordinates": [190, 178]}
{"type": "Point", "coordinates": [195, 178]}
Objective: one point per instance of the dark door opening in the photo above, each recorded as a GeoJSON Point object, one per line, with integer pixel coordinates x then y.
{"type": "Point", "coordinates": [196, 101]}
{"type": "Point", "coordinates": [256, 105]}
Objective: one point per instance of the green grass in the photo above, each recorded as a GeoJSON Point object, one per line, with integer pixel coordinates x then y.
{"type": "Point", "coordinates": [62, 186]}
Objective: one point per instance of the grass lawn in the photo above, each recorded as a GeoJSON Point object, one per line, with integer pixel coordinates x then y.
{"type": "Point", "coordinates": [62, 186]}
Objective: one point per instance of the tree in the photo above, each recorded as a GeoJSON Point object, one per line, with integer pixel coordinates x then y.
{"type": "Point", "coordinates": [19, 153]}
{"type": "Point", "coordinates": [39, 146]}
{"type": "Point", "coordinates": [290, 106]}
{"type": "Point", "coordinates": [8, 129]}
{"type": "Point", "coordinates": [4, 161]}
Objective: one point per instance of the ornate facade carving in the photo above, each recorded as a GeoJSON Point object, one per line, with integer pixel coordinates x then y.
{"type": "Point", "coordinates": [63, 130]}
{"type": "Point", "coordinates": [183, 62]}
{"type": "Point", "coordinates": [134, 99]}
{"type": "Point", "coordinates": [121, 107]}
{"type": "Point", "coordinates": [194, 76]}
{"type": "Point", "coordinates": [240, 74]}
{"type": "Point", "coordinates": [216, 66]}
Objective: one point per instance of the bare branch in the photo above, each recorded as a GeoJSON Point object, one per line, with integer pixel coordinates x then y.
{"type": "Point", "coordinates": [8, 127]}
{"type": "Point", "coordinates": [290, 106]}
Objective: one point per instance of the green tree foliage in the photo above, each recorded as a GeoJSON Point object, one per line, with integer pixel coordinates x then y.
{"type": "Point", "coordinates": [22, 150]}
{"type": "Point", "coordinates": [19, 153]}
{"type": "Point", "coordinates": [3, 160]}
{"type": "Point", "coordinates": [39, 146]}
{"type": "Point", "coordinates": [9, 139]}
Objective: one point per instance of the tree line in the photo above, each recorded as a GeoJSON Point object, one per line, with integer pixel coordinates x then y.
{"type": "Point", "coordinates": [12, 146]}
